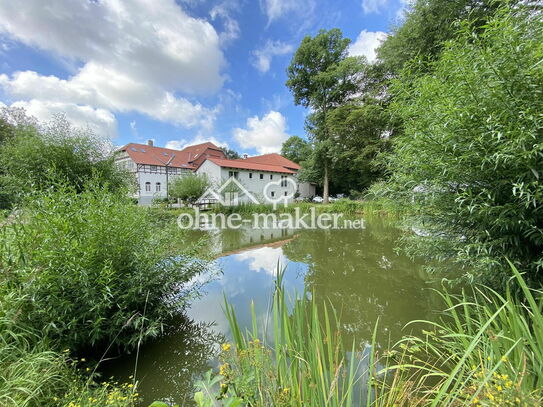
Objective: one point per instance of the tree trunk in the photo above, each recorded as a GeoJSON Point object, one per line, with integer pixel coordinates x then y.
{"type": "Point", "coordinates": [325, 183]}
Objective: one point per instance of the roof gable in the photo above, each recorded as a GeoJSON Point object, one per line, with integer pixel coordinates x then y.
{"type": "Point", "coordinates": [152, 155]}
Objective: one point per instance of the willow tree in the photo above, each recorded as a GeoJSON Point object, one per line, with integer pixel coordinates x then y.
{"type": "Point", "coordinates": [322, 76]}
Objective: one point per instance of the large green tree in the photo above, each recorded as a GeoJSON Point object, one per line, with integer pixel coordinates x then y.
{"type": "Point", "coordinates": [428, 24]}
{"type": "Point", "coordinates": [322, 76]}
{"type": "Point", "coordinates": [296, 149]}
{"type": "Point", "coordinates": [472, 153]}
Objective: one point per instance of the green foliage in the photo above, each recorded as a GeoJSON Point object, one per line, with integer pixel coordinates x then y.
{"type": "Point", "coordinates": [356, 140]}
{"type": "Point", "coordinates": [322, 76]}
{"type": "Point", "coordinates": [308, 364]}
{"type": "Point", "coordinates": [31, 157]}
{"type": "Point", "coordinates": [427, 25]}
{"type": "Point", "coordinates": [95, 269]}
{"type": "Point", "coordinates": [485, 351]}
{"type": "Point", "coordinates": [296, 149]}
{"type": "Point", "coordinates": [230, 154]}
{"type": "Point", "coordinates": [189, 188]}
{"type": "Point", "coordinates": [34, 376]}
{"type": "Point", "coordinates": [472, 153]}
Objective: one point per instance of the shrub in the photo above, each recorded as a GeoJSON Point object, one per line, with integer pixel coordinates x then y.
{"type": "Point", "coordinates": [94, 268]}
{"type": "Point", "coordinates": [189, 188]}
{"type": "Point", "coordinates": [33, 157]}
{"type": "Point", "coordinates": [35, 376]}
{"type": "Point", "coordinates": [472, 152]}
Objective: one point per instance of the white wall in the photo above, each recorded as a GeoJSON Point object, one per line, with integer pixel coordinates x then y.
{"type": "Point", "coordinates": [307, 189]}
{"type": "Point", "coordinates": [250, 179]}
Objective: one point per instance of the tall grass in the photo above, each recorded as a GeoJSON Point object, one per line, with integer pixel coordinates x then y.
{"type": "Point", "coordinates": [486, 350]}
{"type": "Point", "coordinates": [32, 375]}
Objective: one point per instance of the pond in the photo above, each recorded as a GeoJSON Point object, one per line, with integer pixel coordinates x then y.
{"type": "Point", "coordinates": [359, 271]}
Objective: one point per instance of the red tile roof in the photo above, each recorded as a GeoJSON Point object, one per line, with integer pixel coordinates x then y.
{"type": "Point", "coordinates": [247, 165]}
{"type": "Point", "coordinates": [151, 155]}
{"type": "Point", "coordinates": [273, 159]}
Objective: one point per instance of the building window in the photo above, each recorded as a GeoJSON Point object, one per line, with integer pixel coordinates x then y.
{"type": "Point", "coordinates": [234, 174]}
{"type": "Point", "coordinates": [148, 186]}
{"type": "Point", "coordinates": [261, 176]}
{"type": "Point", "coordinates": [271, 176]}
{"type": "Point", "coordinates": [273, 194]}
{"type": "Point", "coordinates": [250, 175]}
{"type": "Point", "coordinates": [283, 180]}
{"type": "Point", "coordinates": [286, 193]}
{"type": "Point", "coordinates": [157, 187]}
{"type": "Point", "coordinates": [153, 168]}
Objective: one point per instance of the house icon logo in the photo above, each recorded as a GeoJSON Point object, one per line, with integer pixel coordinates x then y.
{"type": "Point", "coordinates": [230, 193]}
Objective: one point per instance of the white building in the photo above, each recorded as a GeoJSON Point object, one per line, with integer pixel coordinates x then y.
{"type": "Point", "coordinates": [154, 167]}
{"type": "Point", "coordinates": [268, 176]}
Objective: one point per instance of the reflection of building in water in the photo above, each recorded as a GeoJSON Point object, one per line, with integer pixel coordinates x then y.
{"type": "Point", "coordinates": [226, 241]}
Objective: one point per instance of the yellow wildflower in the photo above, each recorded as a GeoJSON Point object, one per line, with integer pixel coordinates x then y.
{"type": "Point", "coordinates": [226, 347]}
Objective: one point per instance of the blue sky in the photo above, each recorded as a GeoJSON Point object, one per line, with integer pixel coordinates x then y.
{"type": "Point", "coordinates": [179, 72]}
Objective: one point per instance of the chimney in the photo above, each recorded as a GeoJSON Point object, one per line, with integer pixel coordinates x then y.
{"type": "Point", "coordinates": [150, 143]}
{"type": "Point", "coordinates": [245, 155]}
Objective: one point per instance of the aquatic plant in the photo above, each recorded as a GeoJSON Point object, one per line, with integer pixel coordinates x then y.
{"type": "Point", "coordinates": [486, 350]}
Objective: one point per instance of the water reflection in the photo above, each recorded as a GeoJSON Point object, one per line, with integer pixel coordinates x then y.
{"type": "Point", "coordinates": [359, 271]}
{"type": "Point", "coordinates": [168, 367]}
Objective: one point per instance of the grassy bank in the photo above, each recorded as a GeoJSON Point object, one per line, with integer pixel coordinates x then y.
{"type": "Point", "coordinates": [484, 351]}
{"type": "Point", "coordinates": [345, 206]}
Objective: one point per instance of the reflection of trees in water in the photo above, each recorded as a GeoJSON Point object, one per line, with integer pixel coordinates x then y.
{"type": "Point", "coordinates": [169, 366]}
{"type": "Point", "coordinates": [364, 278]}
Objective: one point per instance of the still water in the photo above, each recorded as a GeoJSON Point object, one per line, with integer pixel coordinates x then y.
{"type": "Point", "coordinates": [359, 271]}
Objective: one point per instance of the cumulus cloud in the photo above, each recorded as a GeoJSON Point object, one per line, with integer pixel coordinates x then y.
{"type": "Point", "coordinates": [263, 57]}
{"type": "Point", "coordinates": [367, 43]}
{"type": "Point", "coordinates": [266, 135]}
{"type": "Point", "coordinates": [100, 121]}
{"type": "Point", "coordinates": [373, 6]}
{"type": "Point", "coordinates": [134, 55]}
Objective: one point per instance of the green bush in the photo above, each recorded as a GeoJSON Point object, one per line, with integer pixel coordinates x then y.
{"type": "Point", "coordinates": [94, 268]}
{"type": "Point", "coordinates": [188, 188]}
{"type": "Point", "coordinates": [472, 153]}
{"type": "Point", "coordinates": [32, 158]}
{"type": "Point", "coordinates": [32, 375]}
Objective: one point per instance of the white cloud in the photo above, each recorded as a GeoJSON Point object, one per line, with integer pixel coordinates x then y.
{"type": "Point", "coordinates": [136, 56]}
{"type": "Point", "coordinates": [263, 56]}
{"type": "Point", "coordinates": [373, 6]}
{"type": "Point", "coordinates": [199, 139]}
{"type": "Point", "coordinates": [275, 9]}
{"type": "Point", "coordinates": [366, 44]}
{"type": "Point", "coordinates": [266, 135]}
{"type": "Point", "coordinates": [265, 259]}
{"type": "Point", "coordinates": [231, 27]}
{"type": "Point", "coordinates": [101, 121]}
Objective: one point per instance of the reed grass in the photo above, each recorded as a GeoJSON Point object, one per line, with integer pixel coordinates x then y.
{"type": "Point", "coordinates": [486, 350]}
